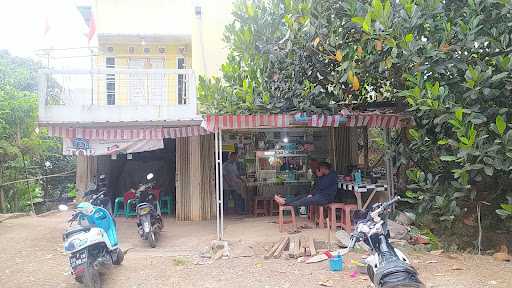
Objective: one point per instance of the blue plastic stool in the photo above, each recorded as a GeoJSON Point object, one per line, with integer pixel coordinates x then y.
{"type": "Point", "coordinates": [166, 205]}
{"type": "Point", "coordinates": [119, 206]}
{"type": "Point", "coordinates": [128, 211]}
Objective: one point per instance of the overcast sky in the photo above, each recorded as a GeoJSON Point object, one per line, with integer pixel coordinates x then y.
{"type": "Point", "coordinates": [22, 26]}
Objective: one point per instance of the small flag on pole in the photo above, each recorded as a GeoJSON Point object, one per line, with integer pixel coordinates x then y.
{"type": "Point", "coordinates": [46, 26]}
{"type": "Point", "coordinates": [92, 28]}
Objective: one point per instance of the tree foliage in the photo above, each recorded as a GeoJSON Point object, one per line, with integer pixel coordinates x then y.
{"type": "Point", "coordinates": [450, 61]}
{"type": "Point", "coordinates": [26, 152]}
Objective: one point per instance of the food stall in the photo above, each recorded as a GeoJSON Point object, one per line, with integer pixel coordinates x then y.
{"type": "Point", "coordinates": [267, 157]}
{"type": "Point", "coordinates": [276, 161]}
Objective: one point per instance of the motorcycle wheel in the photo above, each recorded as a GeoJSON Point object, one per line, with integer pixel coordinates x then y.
{"type": "Point", "coordinates": [152, 239]}
{"type": "Point", "coordinates": [92, 278]}
{"type": "Point", "coordinates": [118, 257]}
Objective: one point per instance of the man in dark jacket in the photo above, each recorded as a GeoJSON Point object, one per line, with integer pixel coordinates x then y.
{"type": "Point", "coordinates": [323, 193]}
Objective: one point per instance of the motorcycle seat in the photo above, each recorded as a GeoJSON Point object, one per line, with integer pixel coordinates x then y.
{"type": "Point", "coordinates": [76, 229]}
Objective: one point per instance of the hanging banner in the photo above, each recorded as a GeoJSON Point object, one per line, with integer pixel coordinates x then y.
{"type": "Point", "coordinates": [83, 146]}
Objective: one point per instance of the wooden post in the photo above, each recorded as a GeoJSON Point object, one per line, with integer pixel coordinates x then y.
{"type": "Point", "coordinates": [366, 148]}
{"type": "Point", "coordinates": [389, 165]}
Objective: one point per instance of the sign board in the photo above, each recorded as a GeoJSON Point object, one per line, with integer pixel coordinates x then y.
{"type": "Point", "coordinates": [83, 146]}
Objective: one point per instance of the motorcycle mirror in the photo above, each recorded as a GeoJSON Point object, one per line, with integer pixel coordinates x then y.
{"type": "Point", "coordinates": [63, 207]}
{"type": "Point", "coordinates": [150, 176]}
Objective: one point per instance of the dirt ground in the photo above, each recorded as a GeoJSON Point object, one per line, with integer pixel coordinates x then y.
{"type": "Point", "coordinates": [31, 255]}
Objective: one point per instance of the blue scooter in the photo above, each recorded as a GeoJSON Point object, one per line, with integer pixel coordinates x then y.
{"type": "Point", "coordinates": [92, 245]}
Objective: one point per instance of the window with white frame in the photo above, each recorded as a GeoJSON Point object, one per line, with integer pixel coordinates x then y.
{"type": "Point", "coordinates": [182, 82]}
{"type": "Point", "coordinates": [110, 80]}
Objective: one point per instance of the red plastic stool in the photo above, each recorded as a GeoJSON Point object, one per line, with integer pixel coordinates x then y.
{"type": "Point", "coordinates": [320, 219]}
{"type": "Point", "coordinates": [312, 214]}
{"type": "Point", "coordinates": [261, 206]}
{"type": "Point", "coordinates": [347, 221]}
{"type": "Point", "coordinates": [281, 220]}
{"type": "Point", "coordinates": [332, 214]}
{"type": "Point", "coordinates": [316, 215]}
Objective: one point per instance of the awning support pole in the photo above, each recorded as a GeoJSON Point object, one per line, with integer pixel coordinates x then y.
{"type": "Point", "coordinates": [217, 197]}
{"type": "Point", "coordinates": [219, 185]}
{"type": "Point", "coordinates": [221, 188]}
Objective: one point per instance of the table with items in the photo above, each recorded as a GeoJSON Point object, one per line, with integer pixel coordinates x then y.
{"type": "Point", "coordinates": [363, 188]}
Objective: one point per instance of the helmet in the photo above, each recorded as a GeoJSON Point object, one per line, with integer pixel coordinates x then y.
{"type": "Point", "coordinates": [85, 208]}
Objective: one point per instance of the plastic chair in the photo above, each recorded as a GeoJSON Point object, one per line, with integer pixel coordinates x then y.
{"type": "Point", "coordinates": [316, 215]}
{"type": "Point", "coordinates": [119, 206]}
{"type": "Point", "coordinates": [156, 192]}
{"type": "Point", "coordinates": [120, 203]}
{"type": "Point", "coordinates": [332, 208]}
{"type": "Point", "coordinates": [281, 220]}
{"type": "Point", "coordinates": [346, 223]}
{"type": "Point", "coordinates": [320, 219]}
{"type": "Point", "coordinates": [129, 200]}
{"type": "Point", "coordinates": [166, 204]}
{"type": "Point", "coordinates": [261, 206]}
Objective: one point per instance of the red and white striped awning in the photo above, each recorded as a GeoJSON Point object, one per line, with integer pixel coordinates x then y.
{"type": "Point", "coordinates": [215, 122]}
{"type": "Point", "coordinates": [110, 133]}
{"type": "Point", "coordinates": [371, 120]}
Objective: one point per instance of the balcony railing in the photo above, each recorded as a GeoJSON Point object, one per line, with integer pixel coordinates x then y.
{"type": "Point", "coordinates": [115, 95]}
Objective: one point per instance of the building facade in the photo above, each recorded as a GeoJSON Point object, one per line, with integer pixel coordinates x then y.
{"type": "Point", "coordinates": [129, 107]}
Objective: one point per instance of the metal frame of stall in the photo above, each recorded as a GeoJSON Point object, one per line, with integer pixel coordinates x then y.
{"type": "Point", "coordinates": [217, 123]}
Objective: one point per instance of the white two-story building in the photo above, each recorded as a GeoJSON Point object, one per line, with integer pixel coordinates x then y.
{"type": "Point", "coordinates": [130, 107]}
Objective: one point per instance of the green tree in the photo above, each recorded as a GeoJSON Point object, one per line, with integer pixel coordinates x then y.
{"type": "Point", "coordinates": [24, 149]}
{"type": "Point", "coordinates": [450, 61]}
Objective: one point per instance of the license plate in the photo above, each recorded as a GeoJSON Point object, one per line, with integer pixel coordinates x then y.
{"type": "Point", "coordinates": [78, 258]}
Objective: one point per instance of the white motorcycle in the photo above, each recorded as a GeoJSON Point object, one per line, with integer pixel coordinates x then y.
{"type": "Point", "coordinates": [387, 266]}
{"type": "Point", "coordinates": [91, 248]}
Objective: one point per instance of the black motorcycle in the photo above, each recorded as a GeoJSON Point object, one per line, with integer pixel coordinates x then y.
{"type": "Point", "coordinates": [149, 222]}
{"type": "Point", "coordinates": [387, 266]}
{"type": "Point", "coordinates": [98, 195]}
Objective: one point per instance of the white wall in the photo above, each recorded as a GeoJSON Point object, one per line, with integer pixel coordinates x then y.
{"type": "Point", "coordinates": [143, 16]}
{"type": "Point", "coordinates": [175, 17]}
{"type": "Point", "coordinates": [208, 49]}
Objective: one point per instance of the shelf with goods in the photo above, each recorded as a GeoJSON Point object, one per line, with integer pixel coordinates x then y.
{"type": "Point", "coordinates": [276, 160]}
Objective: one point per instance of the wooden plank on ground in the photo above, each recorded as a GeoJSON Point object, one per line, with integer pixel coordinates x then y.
{"type": "Point", "coordinates": [282, 247]}
{"type": "Point", "coordinates": [293, 251]}
{"type": "Point", "coordinates": [312, 247]}
{"type": "Point", "coordinates": [303, 245]}
{"type": "Point", "coordinates": [273, 249]}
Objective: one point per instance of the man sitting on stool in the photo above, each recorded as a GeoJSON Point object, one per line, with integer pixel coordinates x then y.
{"type": "Point", "coordinates": [323, 193]}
